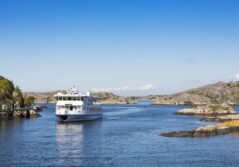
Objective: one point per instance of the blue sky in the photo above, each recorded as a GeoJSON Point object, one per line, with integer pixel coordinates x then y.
{"type": "Point", "coordinates": [131, 47]}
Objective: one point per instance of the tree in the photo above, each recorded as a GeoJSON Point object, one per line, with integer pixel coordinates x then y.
{"type": "Point", "coordinates": [18, 97]}
{"type": "Point", "coordinates": [6, 92]}
{"type": "Point", "coordinates": [6, 88]}
{"type": "Point", "coordinates": [29, 101]}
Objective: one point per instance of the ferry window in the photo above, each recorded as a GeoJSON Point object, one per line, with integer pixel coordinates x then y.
{"type": "Point", "coordinates": [79, 98]}
{"type": "Point", "coordinates": [74, 98]}
{"type": "Point", "coordinates": [64, 98]}
{"type": "Point", "coordinates": [60, 98]}
{"type": "Point", "coordinates": [69, 98]}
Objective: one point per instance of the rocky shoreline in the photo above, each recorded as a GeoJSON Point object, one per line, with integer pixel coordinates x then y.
{"type": "Point", "coordinates": [206, 131]}
{"type": "Point", "coordinates": [214, 113]}
{"type": "Point", "coordinates": [220, 118]}
{"type": "Point", "coordinates": [21, 113]}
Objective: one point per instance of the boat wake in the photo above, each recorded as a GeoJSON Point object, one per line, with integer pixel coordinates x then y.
{"type": "Point", "coordinates": [122, 112]}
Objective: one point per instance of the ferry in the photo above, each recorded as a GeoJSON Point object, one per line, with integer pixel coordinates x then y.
{"type": "Point", "coordinates": [74, 106]}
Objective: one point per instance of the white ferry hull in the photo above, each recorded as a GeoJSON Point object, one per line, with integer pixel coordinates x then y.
{"type": "Point", "coordinates": [74, 106]}
{"type": "Point", "coordinates": [80, 117]}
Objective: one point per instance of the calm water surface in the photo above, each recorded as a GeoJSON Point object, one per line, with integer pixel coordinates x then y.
{"type": "Point", "coordinates": [128, 135]}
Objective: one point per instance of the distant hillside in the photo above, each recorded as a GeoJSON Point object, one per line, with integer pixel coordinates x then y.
{"type": "Point", "coordinates": [110, 98]}
{"type": "Point", "coordinates": [105, 97]}
{"type": "Point", "coordinates": [43, 97]}
{"type": "Point", "coordinates": [215, 93]}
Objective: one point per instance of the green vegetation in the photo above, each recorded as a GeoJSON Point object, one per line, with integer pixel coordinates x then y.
{"type": "Point", "coordinates": [6, 89]}
{"type": "Point", "coordinates": [29, 101]}
{"type": "Point", "coordinates": [12, 96]}
{"type": "Point", "coordinates": [18, 97]}
{"type": "Point", "coordinates": [110, 98]}
{"type": "Point", "coordinates": [216, 107]}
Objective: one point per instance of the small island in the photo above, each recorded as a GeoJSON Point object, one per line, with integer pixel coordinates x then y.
{"type": "Point", "coordinates": [210, 109]}
{"type": "Point", "coordinates": [223, 113]}
{"type": "Point", "coordinates": [205, 131]}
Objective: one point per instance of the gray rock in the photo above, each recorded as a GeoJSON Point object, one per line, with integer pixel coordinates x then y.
{"type": "Point", "coordinates": [212, 109]}
{"type": "Point", "coordinates": [221, 118]}
{"type": "Point", "coordinates": [205, 131]}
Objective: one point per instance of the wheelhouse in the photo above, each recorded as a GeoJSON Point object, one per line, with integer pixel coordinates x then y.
{"type": "Point", "coordinates": [68, 98]}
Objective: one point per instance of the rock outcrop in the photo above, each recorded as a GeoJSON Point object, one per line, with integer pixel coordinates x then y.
{"type": "Point", "coordinates": [215, 93]}
{"type": "Point", "coordinates": [25, 114]}
{"type": "Point", "coordinates": [221, 118]}
{"type": "Point", "coordinates": [210, 130]}
{"type": "Point", "coordinates": [211, 109]}
{"type": "Point", "coordinates": [214, 112]}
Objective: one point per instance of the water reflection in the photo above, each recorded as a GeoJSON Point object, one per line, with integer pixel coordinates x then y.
{"type": "Point", "coordinates": [235, 134]}
{"type": "Point", "coordinates": [7, 123]}
{"type": "Point", "coordinates": [71, 140]}
{"type": "Point", "coordinates": [8, 126]}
